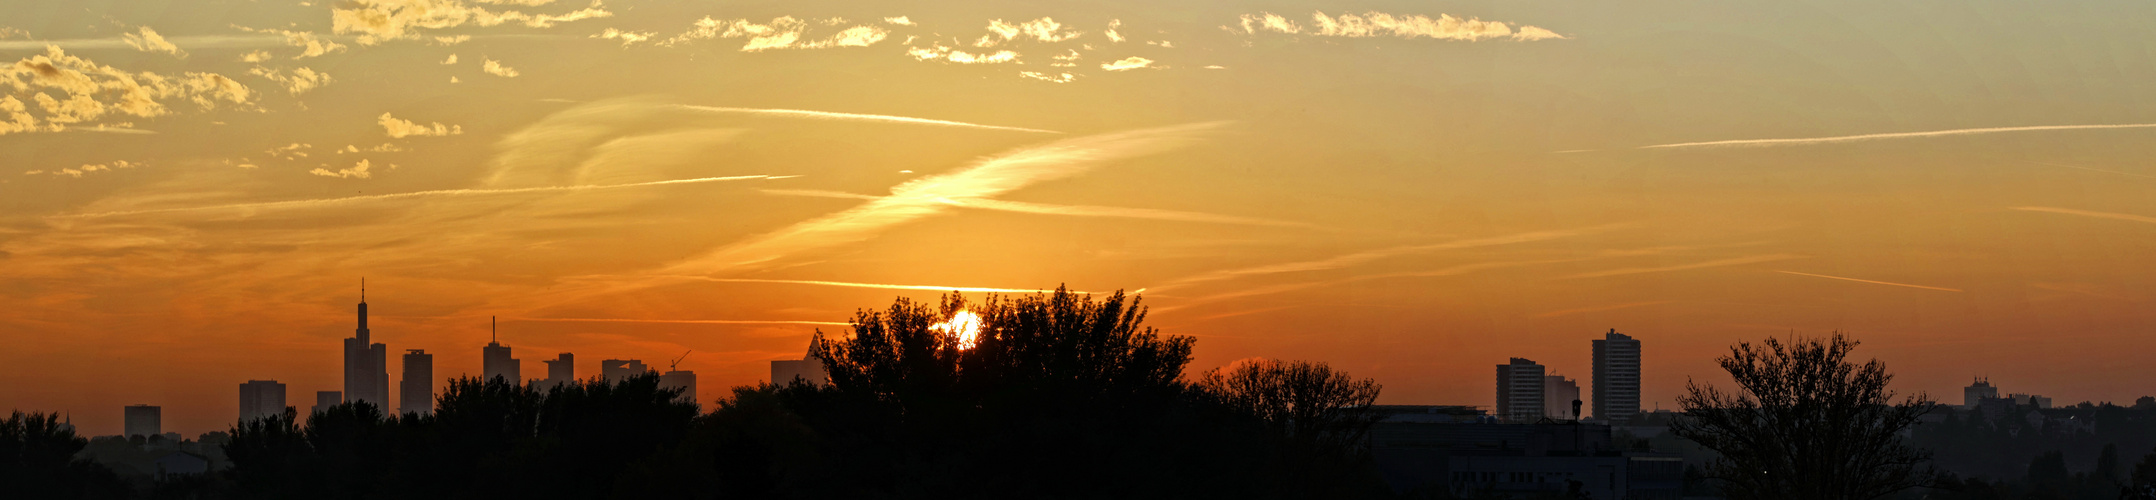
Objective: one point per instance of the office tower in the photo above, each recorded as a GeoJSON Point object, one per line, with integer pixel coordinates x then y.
{"type": "Point", "coordinates": [1616, 383]}
{"type": "Point", "coordinates": [416, 395]}
{"type": "Point", "coordinates": [497, 360]}
{"type": "Point", "coordinates": [561, 370]}
{"type": "Point", "coordinates": [323, 400]}
{"type": "Point", "coordinates": [1558, 393]}
{"type": "Point", "coordinates": [144, 420]}
{"type": "Point", "coordinates": [261, 398]}
{"type": "Point", "coordinates": [809, 368]}
{"type": "Point", "coordinates": [366, 378]}
{"type": "Point", "coordinates": [1519, 390]}
{"type": "Point", "coordinates": [616, 370]}
{"type": "Point", "coordinates": [1977, 393]}
{"type": "Point", "coordinates": [682, 379]}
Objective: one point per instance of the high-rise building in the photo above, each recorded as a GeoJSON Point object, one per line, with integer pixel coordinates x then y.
{"type": "Point", "coordinates": [1616, 383]}
{"type": "Point", "coordinates": [261, 398]}
{"type": "Point", "coordinates": [416, 394]}
{"type": "Point", "coordinates": [681, 379]}
{"type": "Point", "coordinates": [366, 376]}
{"type": "Point", "coordinates": [145, 421]}
{"type": "Point", "coordinates": [323, 400]}
{"type": "Point", "coordinates": [809, 368]}
{"type": "Point", "coordinates": [616, 370]}
{"type": "Point", "coordinates": [497, 360]}
{"type": "Point", "coordinates": [1519, 390]}
{"type": "Point", "coordinates": [1558, 395]}
{"type": "Point", "coordinates": [1978, 392]}
{"type": "Point", "coordinates": [561, 370]}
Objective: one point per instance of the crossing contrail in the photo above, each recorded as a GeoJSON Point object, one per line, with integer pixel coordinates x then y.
{"type": "Point", "coordinates": [1889, 283]}
{"type": "Point", "coordinates": [414, 194]}
{"type": "Point", "coordinates": [1805, 141]}
{"type": "Point", "coordinates": [827, 115]}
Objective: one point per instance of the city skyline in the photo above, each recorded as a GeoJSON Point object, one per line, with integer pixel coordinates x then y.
{"type": "Point", "coordinates": [1409, 191]}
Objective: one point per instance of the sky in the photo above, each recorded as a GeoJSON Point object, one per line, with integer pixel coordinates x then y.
{"type": "Point", "coordinates": [191, 191]}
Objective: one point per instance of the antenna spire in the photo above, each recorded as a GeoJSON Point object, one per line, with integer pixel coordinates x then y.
{"type": "Point", "coordinates": [362, 289]}
{"type": "Point", "coordinates": [493, 330]}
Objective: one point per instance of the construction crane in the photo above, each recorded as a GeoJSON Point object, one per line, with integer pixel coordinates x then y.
{"type": "Point", "coordinates": [676, 365]}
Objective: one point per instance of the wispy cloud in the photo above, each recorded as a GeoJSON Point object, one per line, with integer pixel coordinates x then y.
{"type": "Point", "coordinates": [691, 321]}
{"type": "Point", "coordinates": [1734, 261]}
{"type": "Point", "coordinates": [147, 40]}
{"type": "Point", "coordinates": [1808, 141]}
{"type": "Point", "coordinates": [785, 32]}
{"type": "Point", "coordinates": [1596, 309]}
{"type": "Point", "coordinates": [2128, 174]}
{"type": "Point", "coordinates": [859, 117]}
{"type": "Point", "coordinates": [1889, 283]}
{"type": "Point", "coordinates": [923, 197]}
{"type": "Point", "coordinates": [1290, 287]}
{"type": "Point", "coordinates": [1372, 24]}
{"type": "Point", "coordinates": [377, 21]}
{"type": "Point", "coordinates": [320, 202]}
{"type": "Point", "coordinates": [1127, 64]}
{"type": "Point", "coordinates": [883, 286]}
{"type": "Point", "coordinates": [399, 128]}
{"type": "Point", "coordinates": [2089, 213]}
{"type": "Point", "coordinates": [359, 170]}
{"type": "Point", "coordinates": [95, 94]}
{"type": "Point", "coordinates": [496, 68]}
{"type": "Point", "coordinates": [1069, 210]}
{"type": "Point", "coordinates": [1351, 259]}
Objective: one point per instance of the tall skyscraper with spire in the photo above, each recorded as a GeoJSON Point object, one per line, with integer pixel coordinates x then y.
{"type": "Point", "coordinates": [366, 371]}
{"type": "Point", "coordinates": [497, 360]}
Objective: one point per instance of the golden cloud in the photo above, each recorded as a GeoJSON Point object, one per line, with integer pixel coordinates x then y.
{"type": "Point", "coordinates": [88, 93]}
{"type": "Point", "coordinates": [399, 129]}
{"type": "Point", "coordinates": [1374, 24]}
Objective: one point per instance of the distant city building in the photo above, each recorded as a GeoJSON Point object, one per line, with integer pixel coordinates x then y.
{"type": "Point", "coordinates": [680, 379]}
{"type": "Point", "coordinates": [1558, 395]}
{"type": "Point", "coordinates": [416, 394]}
{"type": "Point", "coordinates": [323, 400]}
{"type": "Point", "coordinates": [1616, 382]}
{"type": "Point", "coordinates": [366, 376]}
{"type": "Point", "coordinates": [561, 370]}
{"type": "Point", "coordinates": [261, 398]}
{"type": "Point", "coordinates": [1977, 392]}
{"type": "Point", "coordinates": [617, 370]}
{"type": "Point", "coordinates": [145, 421]}
{"type": "Point", "coordinates": [2030, 400]}
{"type": "Point", "coordinates": [809, 368]}
{"type": "Point", "coordinates": [1519, 390]}
{"type": "Point", "coordinates": [1455, 455]}
{"type": "Point", "coordinates": [497, 360]}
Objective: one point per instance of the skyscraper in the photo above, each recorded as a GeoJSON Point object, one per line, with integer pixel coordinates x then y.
{"type": "Point", "coordinates": [416, 394]}
{"type": "Point", "coordinates": [497, 360]}
{"type": "Point", "coordinates": [616, 370]}
{"type": "Point", "coordinates": [366, 378]}
{"type": "Point", "coordinates": [261, 398]}
{"type": "Point", "coordinates": [1616, 382]}
{"type": "Point", "coordinates": [144, 420]}
{"type": "Point", "coordinates": [681, 379]}
{"type": "Point", "coordinates": [1519, 390]}
{"type": "Point", "coordinates": [1977, 392]}
{"type": "Point", "coordinates": [809, 368]}
{"type": "Point", "coordinates": [1558, 393]}
{"type": "Point", "coordinates": [323, 400]}
{"type": "Point", "coordinates": [561, 370]}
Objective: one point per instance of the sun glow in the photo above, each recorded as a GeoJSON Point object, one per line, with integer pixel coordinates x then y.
{"type": "Point", "coordinates": [965, 327]}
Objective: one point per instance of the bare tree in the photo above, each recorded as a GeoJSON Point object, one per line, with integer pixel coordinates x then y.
{"type": "Point", "coordinates": [1305, 401]}
{"type": "Point", "coordinates": [1808, 424]}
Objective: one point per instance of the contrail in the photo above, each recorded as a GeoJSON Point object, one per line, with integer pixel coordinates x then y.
{"type": "Point", "coordinates": [696, 321]}
{"type": "Point", "coordinates": [1629, 305]}
{"type": "Point", "coordinates": [1070, 210]}
{"type": "Point", "coordinates": [2086, 213]}
{"type": "Point", "coordinates": [826, 115]}
{"type": "Point", "coordinates": [1897, 135]}
{"type": "Point", "coordinates": [2095, 170]}
{"type": "Point", "coordinates": [416, 194]}
{"type": "Point", "coordinates": [1870, 281]}
{"type": "Point", "coordinates": [1683, 267]}
{"type": "Point", "coordinates": [883, 286]}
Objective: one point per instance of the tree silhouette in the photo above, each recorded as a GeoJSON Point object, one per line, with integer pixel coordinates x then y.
{"type": "Point", "coordinates": [1322, 416]}
{"type": "Point", "coordinates": [37, 460]}
{"type": "Point", "coordinates": [1808, 424]}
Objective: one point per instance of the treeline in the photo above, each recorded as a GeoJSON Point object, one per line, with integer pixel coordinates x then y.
{"type": "Point", "coordinates": [1055, 396]}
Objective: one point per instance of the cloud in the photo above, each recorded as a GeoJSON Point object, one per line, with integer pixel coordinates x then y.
{"type": "Point", "coordinates": [325, 202]}
{"type": "Point", "coordinates": [293, 151]}
{"type": "Point", "coordinates": [1808, 141]}
{"type": "Point", "coordinates": [781, 33]}
{"type": "Point", "coordinates": [147, 40]}
{"type": "Point", "coordinates": [377, 21]}
{"type": "Point", "coordinates": [299, 81]}
{"type": "Point", "coordinates": [71, 91]}
{"type": "Point", "coordinates": [690, 321]}
{"type": "Point", "coordinates": [627, 37]}
{"type": "Point", "coordinates": [1127, 64]}
{"type": "Point", "coordinates": [1068, 210]}
{"type": "Point", "coordinates": [399, 129]}
{"type": "Point", "coordinates": [1735, 261]}
{"type": "Point", "coordinates": [77, 172]}
{"type": "Point", "coordinates": [923, 197]}
{"type": "Point", "coordinates": [959, 56]}
{"type": "Point", "coordinates": [1373, 24]}
{"type": "Point", "coordinates": [1889, 283]}
{"type": "Point", "coordinates": [310, 44]}
{"type": "Point", "coordinates": [358, 170]}
{"type": "Point", "coordinates": [1356, 258]}
{"type": "Point", "coordinates": [827, 115]}
{"type": "Point", "coordinates": [1112, 35]}
{"type": "Point", "coordinates": [2088, 213]}
{"type": "Point", "coordinates": [900, 20]}
{"type": "Point", "coordinates": [255, 56]}
{"type": "Point", "coordinates": [1056, 78]}
{"type": "Point", "coordinates": [493, 67]}
{"type": "Point", "coordinates": [881, 286]}
{"type": "Point", "coordinates": [451, 60]}
{"type": "Point", "coordinates": [1043, 29]}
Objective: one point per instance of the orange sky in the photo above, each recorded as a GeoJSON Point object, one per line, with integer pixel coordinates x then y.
{"type": "Point", "coordinates": [1411, 191]}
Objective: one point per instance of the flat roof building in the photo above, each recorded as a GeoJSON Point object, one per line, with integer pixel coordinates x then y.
{"type": "Point", "coordinates": [1519, 390]}
{"type": "Point", "coordinates": [416, 392]}
{"type": "Point", "coordinates": [144, 420]}
{"type": "Point", "coordinates": [261, 398]}
{"type": "Point", "coordinates": [1616, 382]}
